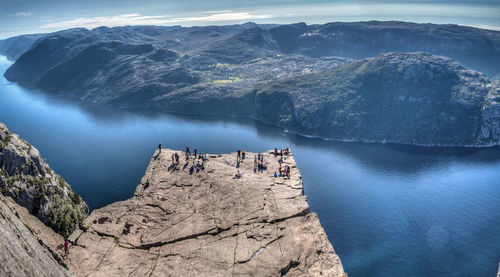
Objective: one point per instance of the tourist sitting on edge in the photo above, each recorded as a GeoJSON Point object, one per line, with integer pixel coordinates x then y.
{"type": "Point", "coordinates": [147, 184]}
{"type": "Point", "coordinates": [275, 174]}
{"type": "Point", "coordinates": [237, 175]}
{"type": "Point", "coordinates": [191, 169]}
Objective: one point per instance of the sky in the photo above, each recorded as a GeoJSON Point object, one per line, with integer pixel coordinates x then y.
{"type": "Point", "coordinates": [42, 16]}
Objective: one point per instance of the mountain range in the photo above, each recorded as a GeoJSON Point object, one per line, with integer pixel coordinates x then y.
{"type": "Point", "coordinates": [370, 81]}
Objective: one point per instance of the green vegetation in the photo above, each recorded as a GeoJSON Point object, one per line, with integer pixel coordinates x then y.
{"type": "Point", "coordinates": [66, 211]}
{"type": "Point", "coordinates": [5, 141]}
{"type": "Point", "coordinates": [64, 216]}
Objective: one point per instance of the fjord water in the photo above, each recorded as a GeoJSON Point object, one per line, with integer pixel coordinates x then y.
{"type": "Point", "coordinates": [389, 210]}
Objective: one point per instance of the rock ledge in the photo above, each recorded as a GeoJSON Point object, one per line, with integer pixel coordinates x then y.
{"type": "Point", "coordinates": [207, 224]}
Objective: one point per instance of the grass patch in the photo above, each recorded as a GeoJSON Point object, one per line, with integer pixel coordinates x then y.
{"type": "Point", "coordinates": [5, 141]}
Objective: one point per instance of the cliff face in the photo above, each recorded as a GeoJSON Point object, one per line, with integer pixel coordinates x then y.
{"type": "Point", "coordinates": [207, 224]}
{"type": "Point", "coordinates": [21, 252]}
{"type": "Point", "coordinates": [28, 179]}
{"type": "Point", "coordinates": [413, 98]}
{"type": "Point", "coordinates": [14, 47]}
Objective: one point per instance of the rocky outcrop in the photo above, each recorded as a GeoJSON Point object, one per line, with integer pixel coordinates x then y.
{"type": "Point", "coordinates": [207, 223]}
{"type": "Point", "coordinates": [22, 253]}
{"type": "Point", "coordinates": [28, 179]}
{"type": "Point", "coordinates": [490, 116]}
{"type": "Point", "coordinates": [411, 98]}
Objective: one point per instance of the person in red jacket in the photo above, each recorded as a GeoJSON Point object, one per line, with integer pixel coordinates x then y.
{"type": "Point", "coordinates": [66, 247]}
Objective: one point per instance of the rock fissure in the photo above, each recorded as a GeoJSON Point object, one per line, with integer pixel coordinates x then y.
{"type": "Point", "coordinates": [219, 226]}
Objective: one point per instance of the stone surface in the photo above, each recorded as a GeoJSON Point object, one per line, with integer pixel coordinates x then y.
{"type": "Point", "coordinates": [21, 252]}
{"type": "Point", "coordinates": [28, 179]}
{"type": "Point", "coordinates": [207, 224]}
{"type": "Point", "coordinates": [52, 240]}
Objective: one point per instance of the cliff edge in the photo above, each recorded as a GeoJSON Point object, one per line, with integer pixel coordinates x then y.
{"type": "Point", "coordinates": [31, 183]}
{"type": "Point", "coordinates": [207, 223]}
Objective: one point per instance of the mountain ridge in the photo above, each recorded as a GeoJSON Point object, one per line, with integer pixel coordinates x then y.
{"type": "Point", "coordinates": [231, 70]}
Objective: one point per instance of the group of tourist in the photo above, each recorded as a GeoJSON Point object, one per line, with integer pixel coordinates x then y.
{"type": "Point", "coordinates": [240, 156]}
{"type": "Point", "coordinates": [283, 171]}
{"type": "Point", "coordinates": [281, 152]}
{"type": "Point", "coordinates": [196, 166]}
{"type": "Point", "coordinates": [258, 163]}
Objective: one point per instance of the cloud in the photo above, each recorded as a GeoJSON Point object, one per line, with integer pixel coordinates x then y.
{"type": "Point", "coordinates": [138, 19]}
{"type": "Point", "coordinates": [22, 14]}
{"type": "Point", "coordinates": [222, 11]}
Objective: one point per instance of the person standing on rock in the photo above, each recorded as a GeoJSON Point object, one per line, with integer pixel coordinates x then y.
{"type": "Point", "coordinates": [66, 248]}
{"type": "Point", "coordinates": [239, 155]}
{"type": "Point", "coordinates": [195, 150]}
{"type": "Point", "coordinates": [243, 155]}
{"type": "Point", "coordinates": [159, 148]}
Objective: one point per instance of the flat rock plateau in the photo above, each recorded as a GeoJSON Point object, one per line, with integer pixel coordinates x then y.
{"type": "Point", "coordinates": [207, 223]}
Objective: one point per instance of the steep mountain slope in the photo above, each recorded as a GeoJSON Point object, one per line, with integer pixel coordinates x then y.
{"type": "Point", "coordinates": [21, 252]}
{"type": "Point", "coordinates": [14, 47]}
{"type": "Point", "coordinates": [412, 98]}
{"type": "Point", "coordinates": [60, 46]}
{"type": "Point", "coordinates": [28, 179]}
{"type": "Point", "coordinates": [116, 72]}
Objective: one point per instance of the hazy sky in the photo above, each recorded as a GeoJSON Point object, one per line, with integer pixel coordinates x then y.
{"type": "Point", "coordinates": [37, 16]}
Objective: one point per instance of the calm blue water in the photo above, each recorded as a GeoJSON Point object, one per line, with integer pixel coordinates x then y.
{"type": "Point", "coordinates": [388, 210]}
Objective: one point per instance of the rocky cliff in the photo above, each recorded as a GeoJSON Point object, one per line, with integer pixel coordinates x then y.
{"type": "Point", "coordinates": [22, 253]}
{"type": "Point", "coordinates": [207, 223]}
{"type": "Point", "coordinates": [28, 179]}
{"type": "Point", "coordinates": [412, 98]}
